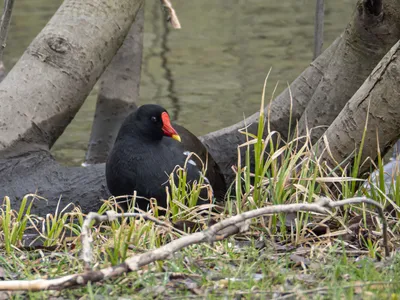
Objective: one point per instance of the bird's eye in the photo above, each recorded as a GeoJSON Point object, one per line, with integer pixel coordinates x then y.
{"type": "Point", "coordinates": [154, 119]}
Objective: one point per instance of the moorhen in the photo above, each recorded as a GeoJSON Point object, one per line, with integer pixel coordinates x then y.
{"type": "Point", "coordinates": [147, 149]}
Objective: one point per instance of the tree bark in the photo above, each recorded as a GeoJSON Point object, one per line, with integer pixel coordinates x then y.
{"type": "Point", "coordinates": [119, 93]}
{"type": "Point", "coordinates": [38, 173]}
{"type": "Point", "coordinates": [369, 36]}
{"type": "Point", "coordinates": [43, 92]}
{"type": "Point", "coordinates": [374, 107]}
{"type": "Point", "coordinates": [27, 166]}
{"type": "Point", "coordinates": [325, 86]}
{"type": "Point", "coordinates": [222, 144]}
{"type": "Point", "coordinates": [47, 86]}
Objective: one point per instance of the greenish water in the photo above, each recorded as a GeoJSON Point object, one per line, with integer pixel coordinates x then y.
{"type": "Point", "coordinates": [210, 73]}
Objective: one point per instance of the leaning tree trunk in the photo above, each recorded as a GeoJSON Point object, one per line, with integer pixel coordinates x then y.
{"type": "Point", "coordinates": [43, 92]}
{"type": "Point", "coordinates": [29, 166]}
{"type": "Point", "coordinates": [223, 143]}
{"type": "Point", "coordinates": [119, 93]}
{"type": "Point", "coordinates": [326, 85]}
{"type": "Point", "coordinates": [47, 86]}
{"type": "Point", "coordinates": [361, 50]}
{"type": "Point", "coordinates": [374, 107]}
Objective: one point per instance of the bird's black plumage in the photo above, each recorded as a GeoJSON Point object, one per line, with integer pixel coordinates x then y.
{"type": "Point", "coordinates": [143, 157]}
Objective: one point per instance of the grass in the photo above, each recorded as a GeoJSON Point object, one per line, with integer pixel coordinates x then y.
{"type": "Point", "coordinates": [285, 255]}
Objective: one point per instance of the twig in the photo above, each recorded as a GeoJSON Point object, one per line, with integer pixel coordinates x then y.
{"type": "Point", "coordinates": [212, 234]}
{"type": "Point", "coordinates": [318, 28]}
{"type": "Point", "coordinates": [357, 200]}
{"type": "Point", "coordinates": [5, 24]}
{"type": "Point", "coordinates": [171, 14]}
{"type": "Point", "coordinates": [86, 237]}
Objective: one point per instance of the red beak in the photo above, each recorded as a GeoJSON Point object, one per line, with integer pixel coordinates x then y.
{"type": "Point", "coordinates": [167, 127]}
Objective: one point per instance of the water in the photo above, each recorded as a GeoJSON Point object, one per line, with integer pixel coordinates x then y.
{"type": "Point", "coordinates": [210, 73]}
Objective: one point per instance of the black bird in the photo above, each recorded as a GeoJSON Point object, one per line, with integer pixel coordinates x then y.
{"type": "Point", "coordinates": [146, 151]}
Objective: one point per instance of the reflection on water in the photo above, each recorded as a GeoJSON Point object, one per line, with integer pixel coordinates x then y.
{"type": "Point", "coordinates": [168, 75]}
{"type": "Point", "coordinates": [210, 73]}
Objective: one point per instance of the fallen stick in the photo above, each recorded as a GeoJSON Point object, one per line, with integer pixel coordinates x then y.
{"type": "Point", "coordinates": [209, 235]}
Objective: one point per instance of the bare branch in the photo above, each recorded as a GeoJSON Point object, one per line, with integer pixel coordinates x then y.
{"type": "Point", "coordinates": [318, 28]}
{"type": "Point", "coordinates": [171, 14]}
{"type": "Point", "coordinates": [212, 234]}
{"type": "Point", "coordinates": [5, 24]}
{"type": "Point", "coordinates": [86, 238]}
{"type": "Point", "coordinates": [379, 207]}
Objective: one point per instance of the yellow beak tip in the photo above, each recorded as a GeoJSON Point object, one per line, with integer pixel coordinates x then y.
{"type": "Point", "coordinates": [176, 137]}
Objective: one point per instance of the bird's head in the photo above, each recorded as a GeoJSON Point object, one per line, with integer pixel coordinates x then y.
{"type": "Point", "coordinates": [151, 122]}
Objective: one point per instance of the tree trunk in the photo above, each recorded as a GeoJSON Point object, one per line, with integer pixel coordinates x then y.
{"type": "Point", "coordinates": [374, 105]}
{"type": "Point", "coordinates": [33, 127]}
{"type": "Point", "coordinates": [38, 173]}
{"type": "Point", "coordinates": [325, 86]}
{"type": "Point", "coordinates": [362, 47]}
{"type": "Point", "coordinates": [47, 86]}
{"type": "Point", "coordinates": [119, 92]}
{"type": "Point", "coordinates": [222, 144]}
{"type": "Point", "coordinates": [43, 92]}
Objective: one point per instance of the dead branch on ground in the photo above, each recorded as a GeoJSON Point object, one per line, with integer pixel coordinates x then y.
{"type": "Point", "coordinates": [212, 234]}
{"type": "Point", "coordinates": [110, 216]}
